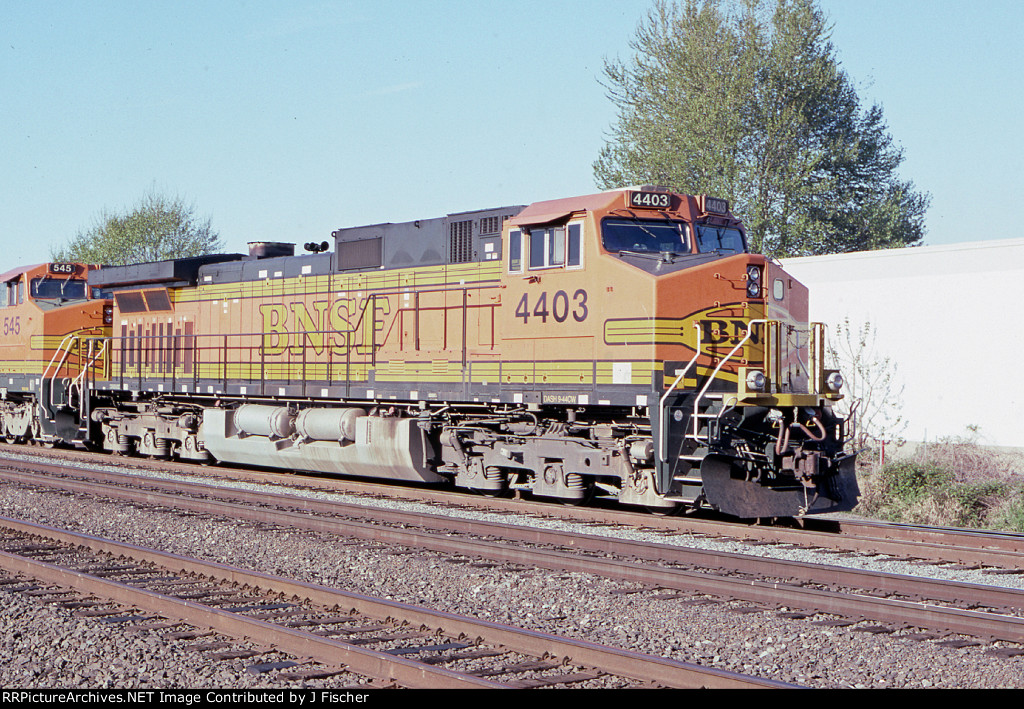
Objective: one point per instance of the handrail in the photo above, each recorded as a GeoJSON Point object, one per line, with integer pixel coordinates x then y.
{"type": "Point", "coordinates": [662, 453]}
{"type": "Point", "coordinates": [91, 360]}
{"type": "Point", "coordinates": [816, 351]}
{"type": "Point", "coordinates": [60, 349]}
{"type": "Point", "coordinates": [223, 344]}
{"type": "Point", "coordinates": [711, 378]}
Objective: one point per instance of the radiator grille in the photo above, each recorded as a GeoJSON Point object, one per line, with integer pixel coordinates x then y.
{"type": "Point", "coordinates": [460, 247]}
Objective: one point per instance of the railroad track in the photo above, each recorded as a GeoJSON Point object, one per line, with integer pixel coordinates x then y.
{"type": "Point", "coordinates": [966, 547]}
{"type": "Point", "coordinates": [853, 595]}
{"type": "Point", "coordinates": [374, 641]}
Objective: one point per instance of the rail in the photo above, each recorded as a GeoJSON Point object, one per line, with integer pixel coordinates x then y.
{"type": "Point", "coordinates": [94, 355]}
{"type": "Point", "coordinates": [304, 357]}
{"type": "Point", "coordinates": [70, 344]}
{"type": "Point", "coordinates": [63, 350]}
{"type": "Point", "coordinates": [816, 349]}
{"type": "Point", "coordinates": [409, 672]}
{"type": "Point", "coordinates": [177, 359]}
{"type": "Point", "coordinates": [697, 416]}
{"type": "Point", "coordinates": [663, 439]}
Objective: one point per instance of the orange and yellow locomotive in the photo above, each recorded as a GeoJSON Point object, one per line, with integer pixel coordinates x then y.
{"type": "Point", "coordinates": [50, 320]}
{"type": "Point", "coordinates": [621, 344]}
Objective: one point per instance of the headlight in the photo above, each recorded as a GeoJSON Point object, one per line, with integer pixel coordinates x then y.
{"type": "Point", "coordinates": [834, 381]}
{"type": "Point", "coordinates": [753, 281]}
{"type": "Point", "coordinates": [755, 381]}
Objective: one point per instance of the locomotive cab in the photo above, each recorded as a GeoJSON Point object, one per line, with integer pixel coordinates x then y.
{"type": "Point", "coordinates": [642, 303]}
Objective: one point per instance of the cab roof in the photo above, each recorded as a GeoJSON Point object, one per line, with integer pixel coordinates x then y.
{"type": "Point", "coordinates": [14, 272]}
{"type": "Point", "coordinates": [556, 209]}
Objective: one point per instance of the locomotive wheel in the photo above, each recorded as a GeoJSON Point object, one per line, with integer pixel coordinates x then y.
{"type": "Point", "coordinates": [590, 492]}
{"type": "Point", "coordinates": [501, 492]}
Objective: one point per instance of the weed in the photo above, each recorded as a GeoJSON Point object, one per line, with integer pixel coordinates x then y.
{"type": "Point", "coordinates": [954, 483]}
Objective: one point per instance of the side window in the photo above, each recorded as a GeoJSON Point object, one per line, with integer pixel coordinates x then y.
{"type": "Point", "coordinates": [779, 289]}
{"type": "Point", "coordinates": [574, 257]}
{"type": "Point", "coordinates": [13, 287]}
{"type": "Point", "coordinates": [547, 247]}
{"type": "Point", "coordinates": [538, 239]}
{"type": "Point", "coordinates": [556, 243]}
{"type": "Point", "coordinates": [515, 251]}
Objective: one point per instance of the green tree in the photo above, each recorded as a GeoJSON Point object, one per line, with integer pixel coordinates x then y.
{"type": "Point", "coordinates": [745, 99]}
{"type": "Point", "coordinates": [157, 228]}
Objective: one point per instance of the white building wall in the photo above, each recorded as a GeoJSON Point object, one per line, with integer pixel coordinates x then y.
{"type": "Point", "coordinates": [945, 315]}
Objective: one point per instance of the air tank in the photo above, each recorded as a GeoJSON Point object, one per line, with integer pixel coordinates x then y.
{"type": "Point", "coordinates": [260, 420]}
{"type": "Point", "coordinates": [328, 424]}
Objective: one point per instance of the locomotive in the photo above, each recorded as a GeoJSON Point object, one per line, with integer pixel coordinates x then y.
{"type": "Point", "coordinates": [621, 345]}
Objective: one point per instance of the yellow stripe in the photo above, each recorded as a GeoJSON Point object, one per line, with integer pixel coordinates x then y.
{"type": "Point", "coordinates": [468, 275]}
{"type": "Point", "coordinates": [20, 367]}
{"type": "Point", "coordinates": [645, 331]}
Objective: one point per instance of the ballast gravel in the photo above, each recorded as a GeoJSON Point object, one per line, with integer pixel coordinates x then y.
{"type": "Point", "coordinates": [45, 646]}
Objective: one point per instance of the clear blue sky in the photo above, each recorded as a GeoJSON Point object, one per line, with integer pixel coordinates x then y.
{"type": "Point", "coordinates": [285, 120]}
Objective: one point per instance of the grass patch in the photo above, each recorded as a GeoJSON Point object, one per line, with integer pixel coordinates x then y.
{"type": "Point", "coordinates": [953, 483]}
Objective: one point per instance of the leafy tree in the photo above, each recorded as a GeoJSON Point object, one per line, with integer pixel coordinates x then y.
{"type": "Point", "coordinates": [156, 229]}
{"type": "Point", "coordinates": [745, 99]}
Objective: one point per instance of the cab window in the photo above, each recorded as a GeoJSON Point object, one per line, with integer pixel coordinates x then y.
{"type": "Point", "coordinates": [546, 247]}
{"type": "Point", "coordinates": [48, 288]}
{"type": "Point", "coordinates": [645, 236]}
{"type": "Point", "coordinates": [14, 292]}
{"type": "Point", "coordinates": [724, 240]}
{"type": "Point", "coordinates": [515, 251]}
{"type": "Point", "coordinates": [574, 257]}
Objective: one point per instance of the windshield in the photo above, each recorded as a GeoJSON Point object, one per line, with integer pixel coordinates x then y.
{"type": "Point", "coordinates": [64, 289]}
{"type": "Point", "coordinates": [725, 240]}
{"type": "Point", "coordinates": [654, 236]}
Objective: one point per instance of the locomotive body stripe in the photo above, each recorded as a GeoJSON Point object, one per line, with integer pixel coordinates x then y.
{"type": "Point", "coordinates": [386, 282]}
{"type": "Point", "coordinates": [579, 373]}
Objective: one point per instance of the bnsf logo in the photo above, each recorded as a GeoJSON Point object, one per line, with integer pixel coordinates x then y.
{"type": "Point", "coordinates": [345, 323]}
{"type": "Point", "coordinates": [720, 332]}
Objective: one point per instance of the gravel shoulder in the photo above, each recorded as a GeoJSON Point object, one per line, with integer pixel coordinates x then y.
{"type": "Point", "coordinates": [45, 646]}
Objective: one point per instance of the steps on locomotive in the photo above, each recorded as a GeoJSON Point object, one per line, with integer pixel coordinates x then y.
{"type": "Point", "coordinates": [710, 411]}
{"type": "Point", "coordinates": [687, 483]}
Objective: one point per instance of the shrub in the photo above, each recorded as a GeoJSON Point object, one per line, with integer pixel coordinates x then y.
{"type": "Point", "coordinates": [955, 483]}
{"type": "Point", "coordinates": [1010, 514]}
{"type": "Point", "coordinates": [909, 481]}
